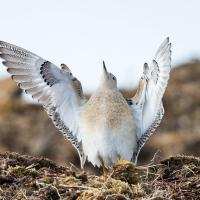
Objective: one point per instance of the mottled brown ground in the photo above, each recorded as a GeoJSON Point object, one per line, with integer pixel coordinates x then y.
{"type": "Point", "coordinates": [26, 177]}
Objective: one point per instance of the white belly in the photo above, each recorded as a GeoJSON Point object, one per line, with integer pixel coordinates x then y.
{"type": "Point", "coordinates": [108, 145]}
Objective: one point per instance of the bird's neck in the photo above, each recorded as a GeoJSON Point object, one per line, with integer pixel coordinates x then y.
{"type": "Point", "coordinates": [104, 87]}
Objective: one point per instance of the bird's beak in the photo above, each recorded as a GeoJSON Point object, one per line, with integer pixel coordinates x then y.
{"type": "Point", "coordinates": [104, 69]}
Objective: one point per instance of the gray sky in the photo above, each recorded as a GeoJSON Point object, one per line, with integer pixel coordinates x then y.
{"type": "Point", "coordinates": [82, 33]}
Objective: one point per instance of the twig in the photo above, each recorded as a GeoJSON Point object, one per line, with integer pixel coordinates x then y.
{"type": "Point", "coordinates": [32, 166]}
{"type": "Point", "coordinates": [72, 166]}
{"type": "Point", "coordinates": [24, 194]}
{"type": "Point", "coordinates": [77, 186]}
{"type": "Point", "coordinates": [189, 169]}
{"type": "Point", "coordinates": [154, 156]}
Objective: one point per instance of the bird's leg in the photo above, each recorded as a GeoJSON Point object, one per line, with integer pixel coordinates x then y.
{"type": "Point", "coordinates": [105, 170]}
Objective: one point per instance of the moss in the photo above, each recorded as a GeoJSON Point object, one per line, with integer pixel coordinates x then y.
{"type": "Point", "coordinates": [22, 171]}
{"type": "Point", "coordinates": [116, 186]}
{"type": "Point", "coordinates": [71, 181]}
{"type": "Point", "coordinates": [177, 177]}
{"type": "Point", "coordinates": [138, 190]}
{"type": "Point", "coordinates": [126, 171]}
{"type": "Point", "coordinates": [195, 169]}
{"type": "Point", "coordinates": [109, 189]}
{"type": "Point", "coordinates": [96, 182]}
{"type": "Point", "coordinates": [46, 179]}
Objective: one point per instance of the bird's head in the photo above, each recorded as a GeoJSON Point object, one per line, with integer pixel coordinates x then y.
{"type": "Point", "coordinates": [108, 80]}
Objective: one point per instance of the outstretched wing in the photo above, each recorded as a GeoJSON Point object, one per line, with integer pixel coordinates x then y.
{"type": "Point", "coordinates": [55, 88]}
{"type": "Point", "coordinates": [147, 103]}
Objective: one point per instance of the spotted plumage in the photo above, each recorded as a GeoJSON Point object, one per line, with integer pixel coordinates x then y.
{"type": "Point", "coordinates": [107, 127]}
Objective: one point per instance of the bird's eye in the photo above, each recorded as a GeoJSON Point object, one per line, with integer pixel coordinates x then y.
{"type": "Point", "coordinates": [113, 78]}
{"type": "Point", "coordinates": [70, 74]}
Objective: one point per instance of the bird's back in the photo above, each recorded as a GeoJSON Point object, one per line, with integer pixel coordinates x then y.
{"type": "Point", "coordinates": [108, 109]}
{"type": "Point", "coordinates": [107, 126]}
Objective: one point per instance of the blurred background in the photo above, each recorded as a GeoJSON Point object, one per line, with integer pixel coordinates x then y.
{"type": "Point", "coordinates": [83, 33]}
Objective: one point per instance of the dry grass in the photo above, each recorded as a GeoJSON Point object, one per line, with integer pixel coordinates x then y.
{"type": "Point", "coordinates": [26, 177]}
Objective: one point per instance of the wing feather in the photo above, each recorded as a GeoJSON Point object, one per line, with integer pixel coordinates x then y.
{"type": "Point", "coordinates": [17, 65]}
{"type": "Point", "coordinates": [53, 87]}
{"type": "Point", "coordinates": [19, 71]}
{"type": "Point", "coordinates": [148, 108]}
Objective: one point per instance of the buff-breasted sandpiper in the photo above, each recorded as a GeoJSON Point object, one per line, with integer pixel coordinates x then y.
{"type": "Point", "coordinates": [107, 127]}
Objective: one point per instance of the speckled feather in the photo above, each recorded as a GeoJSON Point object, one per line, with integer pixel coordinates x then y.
{"type": "Point", "coordinates": [107, 127]}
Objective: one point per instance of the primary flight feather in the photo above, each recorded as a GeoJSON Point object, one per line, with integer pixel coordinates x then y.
{"type": "Point", "coordinates": [107, 127]}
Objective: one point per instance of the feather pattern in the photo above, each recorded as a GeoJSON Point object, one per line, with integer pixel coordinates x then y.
{"type": "Point", "coordinates": [147, 104]}
{"type": "Point", "coordinates": [53, 87]}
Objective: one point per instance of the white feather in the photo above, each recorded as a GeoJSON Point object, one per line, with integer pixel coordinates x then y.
{"type": "Point", "coordinates": [50, 85]}
{"type": "Point", "coordinates": [156, 79]}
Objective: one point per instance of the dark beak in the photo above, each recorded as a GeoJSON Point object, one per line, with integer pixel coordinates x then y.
{"type": "Point", "coordinates": [104, 68]}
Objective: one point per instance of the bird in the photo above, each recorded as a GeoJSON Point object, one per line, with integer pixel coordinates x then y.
{"type": "Point", "coordinates": [107, 127]}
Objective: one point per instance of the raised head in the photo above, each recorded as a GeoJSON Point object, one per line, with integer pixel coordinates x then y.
{"type": "Point", "coordinates": [108, 80]}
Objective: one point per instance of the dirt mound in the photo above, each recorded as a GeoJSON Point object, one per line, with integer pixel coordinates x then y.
{"type": "Point", "coordinates": [26, 177]}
